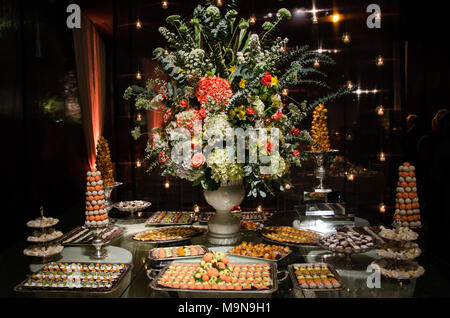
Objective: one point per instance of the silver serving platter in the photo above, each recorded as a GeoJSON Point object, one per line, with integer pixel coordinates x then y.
{"type": "Point", "coordinates": [144, 206]}
{"type": "Point", "coordinates": [205, 250]}
{"type": "Point", "coordinates": [132, 239]}
{"type": "Point", "coordinates": [259, 232]}
{"type": "Point", "coordinates": [42, 227]}
{"type": "Point", "coordinates": [352, 252]}
{"type": "Point", "coordinates": [193, 292]}
{"type": "Point", "coordinates": [46, 241]}
{"type": "Point", "coordinates": [66, 236]}
{"type": "Point", "coordinates": [330, 267]}
{"type": "Point", "coordinates": [261, 258]}
{"type": "Point", "coordinates": [148, 222]}
{"type": "Point", "coordinates": [22, 289]}
{"type": "Point", "coordinates": [205, 216]}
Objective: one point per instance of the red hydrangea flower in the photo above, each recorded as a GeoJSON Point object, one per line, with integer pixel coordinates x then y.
{"type": "Point", "coordinates": [277, 115]}
{"type": "Point", "coordinates": [217, 88]}
{"type": "Point", "coordinates": [250, 111]}
{"type": "Point", "coordinates": [296, 153]}
{"type": "Point", "coordinates": [266, 79]}
{"type": "Point", "coordinates": [183, 103]}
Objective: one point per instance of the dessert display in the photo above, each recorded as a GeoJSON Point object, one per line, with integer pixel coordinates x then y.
{"type": "Point", "coordinates": [174, 252]}
{"type": "Point", "coordinates": [103, 162]}
{"type": "Point", "coordinates": [398, 254]}
{"type": "Point", "coordinates": [42, 222]}
{"type": "Point", "coordinates": [407, 207]}
{"type": "Point", "coordinates": [46, 235]}
{"type": "Point", "coordinates": [350, 242]}
{"type": "Point", "coordinates": [250, 225]}
{"type": "Point", "coordinates": [168, 234]}
{"type": "Point", "coordinates": [132, 206]}
{"type": "Point", "coordinates": [43, 250]}
{"type": "Point", "coordinates": [242, 215]}
{"type": "Point", "coordinates": [319, 130]}
{"type": "Point", "coordinates": [289, 235]}
{"type": "Point", "coordinates": [96, 212]}
{"type": "Point", "coordinates": [401, 271]}
{"type": "Point", "coordinates": [170, 218]}
{"type": "Point", "coordinates": [315, 276]}
{"type": "Point", "coordinates": [215, 273]}
{"type": "Point", "coordinates": [84, 236]}
{"type": "Point", "coordinates": [85, 277]}
{"type": "Point", "coordinates": [264, 251]}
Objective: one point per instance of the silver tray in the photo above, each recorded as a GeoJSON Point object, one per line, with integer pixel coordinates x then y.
{"type": "Point", "coordinates": [288, 243]}
{"type": "Point", "coordinates": [205, 216]}
{"type": "Point", "coordinates": [47, 241]}
{"type": "Point", "coordinates": [205, 249]}
{"type": "Point", "coordinates": [42, 227]}
{"type": "Point", "coordinates": [121, 230]}
{"type": "Point", "coordinates": [131, 238]}
{"type": "Point", "coordinates": [353, 252]}
{"type": "Point", "coordinates": [330, 267]}
{"type": "Point", "coordinates": [147, 222]}
{"type": "Point", "coordinates": [261, 258]}
{"type": "Point", "coordinates": [267, 292]}
{"type": "Point", "coordinates": [132, 209]}
{"type": "Point", "coordinates": [22, 289]}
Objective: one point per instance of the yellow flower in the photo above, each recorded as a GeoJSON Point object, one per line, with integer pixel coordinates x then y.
{"type": "Point", "coordinates": [180, 70]}
{"type": "Point", "coordinates": [274, 81]}
{"type": "Point", "coordinates": [241, 115]}
{"type": "Point", "coordinates": [242, 83]}
{"type": "Point", "coordinates": [232, 69]}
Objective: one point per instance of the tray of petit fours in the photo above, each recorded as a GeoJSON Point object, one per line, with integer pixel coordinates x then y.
{"type": "Point", "coordinates": [261, 251]}
{"type": "Point", "coordinates": [290, 236]}
{"type": "Point", "coordinates": [75, 277]}
{"type": "Point", "coordinates": [315, 277]}
{"type": "Point", "coordinates": [245, 216]}
{"type": "Point", "coordinates": [159, 254]}
{"type": "Point", "coordinates": [166, 234]}
{"type": "Point", "coordinates": [170, 218]}
{"type": "Point", "coordinates": [84, 236]}
{"type": "Point", "coordinates": [348, 240]}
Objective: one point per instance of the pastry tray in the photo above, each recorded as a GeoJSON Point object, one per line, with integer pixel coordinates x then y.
{"type": "Point", "coordinates": [245, 216]}
{"type": "Point", "coordinates": [149, 223]}
{"type": "Point", "coordinates": [23, 289]}
{"type": "Point", "coordinates": [262, 258]}
{"type": "Point", "coordinates": [205, 250]}
{"type": "Point", "coordinates": [296, 285]}
{"type": "Point", "coordinates": [88, 241]}
{"type": "Point", "coordinates": [182, 239]}
{"type": "Point", "coordinates": [312, 244]}
{"type": "Point", "coordinates": [273, 269]}
{"type": "Point", "coordinates": [42, 227]}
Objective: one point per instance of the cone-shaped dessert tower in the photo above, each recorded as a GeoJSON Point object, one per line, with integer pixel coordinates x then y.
{"type": "Point", "coordinates": [407, 207]}
{"type": "Point", "coordinates": [103, 162]}
{"type": "Point", "coordinates": [319, 129]}
{"type": "Point", "coordinates": [96, 212]}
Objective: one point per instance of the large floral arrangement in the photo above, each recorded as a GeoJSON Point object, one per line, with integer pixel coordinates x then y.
{"type": "Point", "coordinates": [221, 76]}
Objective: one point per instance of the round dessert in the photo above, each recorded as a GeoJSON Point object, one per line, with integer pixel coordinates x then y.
{"type": "Point", "coordinates": [400, 234]}
{"type": "Point", "coordinates": [407, 251]}
{"type": "Point", "coordinates": [46, 235]}
{"type": "Point", "coordinates": [347, 242]}
{"type": "Point", "coordinates": [401, 271]}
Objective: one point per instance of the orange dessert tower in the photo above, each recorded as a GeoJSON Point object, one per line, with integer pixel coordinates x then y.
{"type": "Point", "coordinates": [103, 161]}
{"type": "Point", "coordinates": [319, 130]}
{"type": "Point", "coordinates": [407, 207]}
{"type": "Point", "coordinates": [96, 213]}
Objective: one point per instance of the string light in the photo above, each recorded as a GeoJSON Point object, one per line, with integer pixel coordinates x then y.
{"type": "Point", "coordinates": [252, 20]}
{"type": "Point", "coordinates": [167, 184]}
{"type": "Point", "coordinates": [382, 207]}
{"type": "Point", "coordinates": [380, 110]}
{"type": "Point", "coordinates": [138, 75]}
{"type": "Point", "coordinates": [283, 48]}
{"type": "Point", "coordinates": [349, 84]}
{"type": "Point", "coordinates": [219, 3]}
{"type": "Point", "coordinates": [287, 186]}
{"type": "Point", "coordinates": [259, 208]}
{"type": "Point", "coordinates": [380, 60]}
{"type": "Point", "coordinates": [166, 52]}
{"type": "Point", "coordinates": [196, 208]}
{"type": "Point", "coordinates": [346, 38]}
{"type": "Point", "coordinates": [284, 92]}
{"type": "Point", "coordinates": [336, 17]}
{"type": "Point", "coordinates": [164, 4]}
{"type": "Point", "coordinates": [382, 157]}
{"type": "Point", "coordinates": [269, 15]}
{"type": "Point", "coordinates": [139, 214]}
{"type": "Point", "coordinates": [138, 163]}
{"type": "Point", "coordinates": [138, 24]}
{"type": "Point", "coordinates": [315, 20]}
{"type": "Point", "coordinates": [139, 117]}
{"type": "Point", "coordinates": [350, 176]}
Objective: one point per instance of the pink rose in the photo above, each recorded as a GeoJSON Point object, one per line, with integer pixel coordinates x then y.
{"type": "Point", "coordinates": [198, 160]}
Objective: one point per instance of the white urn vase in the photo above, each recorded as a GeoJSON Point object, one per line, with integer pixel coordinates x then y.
{"type": "Point", "coordinates": [223, 227]}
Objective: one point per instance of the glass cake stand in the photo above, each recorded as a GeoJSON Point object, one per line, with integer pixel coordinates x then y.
{"type": "Point", "coordinates": [320, 172]}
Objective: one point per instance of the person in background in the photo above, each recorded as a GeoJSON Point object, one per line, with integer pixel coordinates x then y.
{"type": "Point", "coordinates": [433, 175]}
{"type": "Point", "coordinates": [412, 137]}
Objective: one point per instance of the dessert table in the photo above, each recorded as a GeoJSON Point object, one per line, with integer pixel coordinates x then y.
{"type": "Point", "coordinates": [136, 284]}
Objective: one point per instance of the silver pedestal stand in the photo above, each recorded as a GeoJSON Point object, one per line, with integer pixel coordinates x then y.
{"type": "Point", "coordinates": [108, 191]}
{"type": "Point", "coordinates": [98, 243]}
{"type": "Point", "coordinates": [320, 172]}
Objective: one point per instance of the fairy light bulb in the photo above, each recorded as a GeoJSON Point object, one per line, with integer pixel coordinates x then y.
{"type": "Point", "coordinates": [336, 18]}
{"type": "Point", "coordinates": [166, 52]}
{"type": "Point", "coordinates": [350, 176]}
{"type": "Point", "coordinates": [287, 186]}
{"type": "Point", "coordinates": [380, 60]}
{"type": "Point", "coordinates": [285, 92]}
{"type": "Point", "coordinates": [259, 208]}
{"type": "Point", "coordinates": [380, 110]}
{"type": "Point", "coordinates": [138, 75]}
{"type": "Point", "coordinates": [167, 184]}
{"type": "Point", "coordinates": [316, 63]}
{"type": "Point", "coordinates": [138, 163]}
{"type": "Point", "coordinates": [315, 19]}
{"type": "Point", "coordinates": [252, 20]}
{"type": "Point", "coordinates": [382, 157]}
{"type": "Point", "coordinates": [346, 38]}
{"type": "Point", "coordinates": [219, 3]}
{"type": "Point", "coordinates": [139, 117]}
{"type": "Point", "coordinates": [283, 48]}
{"type": "Point", "coordinates": [382, 207]}
{"type": "Point", "coordinates": [196, 208]}
{"type": "Point", "coordinates": [164, 4]}
{"type": "Point", "coordinates": [269, 14]}
{"type": "Point", "coordinates": [349, 84]}
{"type": "Point", "coordinates": [138, 24]}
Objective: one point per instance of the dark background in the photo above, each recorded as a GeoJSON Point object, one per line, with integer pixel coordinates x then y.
{"type": "Point", "coordinates": [43, 151]}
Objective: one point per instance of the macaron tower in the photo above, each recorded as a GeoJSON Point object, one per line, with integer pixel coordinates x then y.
{"type": "Point", "coordinates": [319, 129]}
{"type": "Point", "coordinates": [96, 213]}
{"type": "Point", "coordinates": [407, 207]}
